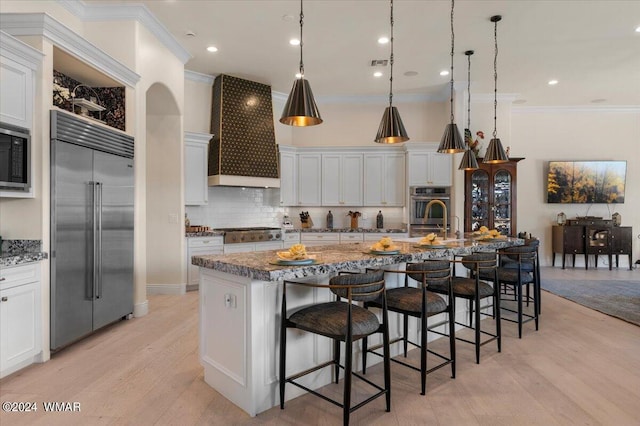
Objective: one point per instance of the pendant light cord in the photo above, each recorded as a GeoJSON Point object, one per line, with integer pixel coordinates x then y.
{"type": "Point", "coordinates": [452, 47]}
{"type": "Point", "coordinates": [391, 61]}
{"type": "Point", "coordinates": [495, 78]}
{"type": "Point", "coordinates": [469, 53]}
{"type": "Point", "coordinates": [301, 24]}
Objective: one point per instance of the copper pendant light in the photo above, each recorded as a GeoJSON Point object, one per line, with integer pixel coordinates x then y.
{"type": "Point", "coordinates": [469, 161]}
{"type": "Point", "coordinates": [301, 108]}
{"type": "Point", "coordinates": [391, 129]}
{"type": "Point", "coordinates": [451, 142]}
{"type": "Point", "coordinates": [495, 153]}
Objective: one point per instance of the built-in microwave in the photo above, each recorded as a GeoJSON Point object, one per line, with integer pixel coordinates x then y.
{"type": "Point", "coordinates": [15, 158]}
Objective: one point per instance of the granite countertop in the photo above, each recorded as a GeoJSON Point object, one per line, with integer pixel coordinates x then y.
{"type": "Point", "coordinates": [17, 252]}
{"type": "Point", "coordinates": [259, 265]}
{"type": "Point", "coordinates": [364, 230]}
{"type": "Point", "coordinates": [204, 234]}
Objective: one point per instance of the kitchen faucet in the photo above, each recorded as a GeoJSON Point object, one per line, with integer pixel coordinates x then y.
{"type": "Point", "coordinates": [444, 215]}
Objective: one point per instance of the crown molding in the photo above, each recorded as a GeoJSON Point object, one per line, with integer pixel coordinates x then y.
{"type": "Point", "coordinates": [279, 96]}
{"type": "Point", "coordinates": [125, 12]}
{"type": "Point", "coordinates": [625, 109]}
{"type": "Point", "coordinates": [197, 137]}
{"type": "Point", "coordinates": [199, 77]}
{"type": "Point", "coordinates": [20, 52]}
{"type": "Point", "coordinates": [42, 24]}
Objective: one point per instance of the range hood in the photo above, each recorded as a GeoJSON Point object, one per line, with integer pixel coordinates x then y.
{"type": "Point", "coordinates": [243, 150]}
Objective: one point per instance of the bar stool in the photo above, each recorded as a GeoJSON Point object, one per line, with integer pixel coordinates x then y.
{"type": "Point", "coordinates": [520, 271]}
{"type": "Point", "coordinates": [342, 321]}
{"type": "Point", "coordinates": [419, 303]}
{"type": "Point", "coordinates": [529, 267]}
{"type": "Point", "coordinates": [474, 289]}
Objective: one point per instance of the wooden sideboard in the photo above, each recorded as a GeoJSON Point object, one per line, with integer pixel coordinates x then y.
{"type": "Point", "coordinates": [591, 237]}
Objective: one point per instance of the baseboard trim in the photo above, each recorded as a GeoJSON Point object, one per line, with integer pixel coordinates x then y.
{"type": "Point", "coordinates": [141, 309]}
{"type": "Point", "coordinates": [171, 289]}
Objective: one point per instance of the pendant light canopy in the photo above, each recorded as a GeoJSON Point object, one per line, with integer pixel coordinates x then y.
{"type": "Point", "coordinates": [301, 108]}
{"type": "Point", "coordinates": [451, 142]}
{"type": "Point", "coordinates": [391, 129]}
{"type": "Point", "coordinates": [469, 161]}
{"type": "Point", "coordinates": [495, 153]}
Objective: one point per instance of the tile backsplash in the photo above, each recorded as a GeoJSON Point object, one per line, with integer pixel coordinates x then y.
{"type": "Point", "coordinates": [231, 207]}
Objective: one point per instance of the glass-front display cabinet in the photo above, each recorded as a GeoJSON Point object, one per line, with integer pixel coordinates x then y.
{"type": "Point", "coordinates": [490, 197]}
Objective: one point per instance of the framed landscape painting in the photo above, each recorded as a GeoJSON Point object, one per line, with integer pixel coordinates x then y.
{"type": "Point", "coordinates": [586, 182]}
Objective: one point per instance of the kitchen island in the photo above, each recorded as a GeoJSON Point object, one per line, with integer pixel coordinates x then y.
{"type": "Point", "coordinates": [240, 296]}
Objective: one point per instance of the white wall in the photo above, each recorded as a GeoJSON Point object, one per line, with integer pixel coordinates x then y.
{"type": "Point", "coordinates": [542, 135]}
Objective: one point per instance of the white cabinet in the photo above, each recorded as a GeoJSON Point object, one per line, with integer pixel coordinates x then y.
{"type": "Point", "coordinates": [288, 177]}
{"type": "Point", "coordinates": [426, 166]}
{"type": "Point", "coordinates": [351, 237]}
{"type": "Point", "coordinates": [197, 246]}
{"type": "Point", "coordinates": [291, 238]}
{"type": "Point", "coordinates": [309, 173]}
{"type": "Point", "coordinates": [384, 179]}
{"type": "Point", "coordinates": [18, 63]}
{"type": "Point", "coordinates": [311, 239]}
{"type": "Point", "coordinates": [20, 317]}
{"type": "Point", "coordinates": [342, 176]}
{"type": "Point", "coordinates": [377, 236]}
{"type": "Point", "coordinates": [196, 154]}
{"type": "Point", "coordinates": [251, 247]}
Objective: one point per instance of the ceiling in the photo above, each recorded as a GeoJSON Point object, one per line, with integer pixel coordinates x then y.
{"type": "Point", "coordinates": [591, 47]}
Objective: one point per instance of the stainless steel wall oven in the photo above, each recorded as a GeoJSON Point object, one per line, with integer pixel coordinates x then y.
{"type": "Point", "coordinates": [423, 221]}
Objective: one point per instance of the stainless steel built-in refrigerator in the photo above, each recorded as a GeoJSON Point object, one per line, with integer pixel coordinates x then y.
{"type": "Point", "coordinates": [92, 199]}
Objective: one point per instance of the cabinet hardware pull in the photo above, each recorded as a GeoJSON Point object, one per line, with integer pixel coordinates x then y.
{"type": "Point", "coordinates": [5, 298]}
{"type": "Point", "coordinates": [3, 278]}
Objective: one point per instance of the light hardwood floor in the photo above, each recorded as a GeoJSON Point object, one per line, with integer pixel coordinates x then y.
{"type": "Point", "coordinates": [581, 367]}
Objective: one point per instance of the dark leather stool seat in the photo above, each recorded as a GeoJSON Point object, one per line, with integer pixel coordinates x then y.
{"type": "Point", "coordinates": [418, 302]}
{"type": "Point", "coordinates": [341, 321]}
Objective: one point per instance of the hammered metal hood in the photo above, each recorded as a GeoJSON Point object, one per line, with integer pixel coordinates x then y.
{"type": "Point", "coordinates": [243, 150]}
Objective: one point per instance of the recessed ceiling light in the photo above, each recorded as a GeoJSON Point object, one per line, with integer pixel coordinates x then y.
{"type": "Point", "coordinates": [287, 17]}
{"type": "Point", "coordinates": [377, 74]}
{"type": "Point", "coordinates": [212, 49]}
{"type": "Point", "coordinates": [444, 72]}
{"type": "Point", "coordinates": [552, 82]}
{"type": "Point", "coordinates": [598, 101]}
{"type": "Point", "coordinates": [411, 73]}
{"type": "Point", "coordinates": [638, 29]}
{"type": "Point", "coordinates": [294, 42]}
{"type": "Point", "coordinates": [298, 75]}
{"type": "Point", "coordinates": [190, 34]}
{"type": "Point", "coordinates": [383, 40]}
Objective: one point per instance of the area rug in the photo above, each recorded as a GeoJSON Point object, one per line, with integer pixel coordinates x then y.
{"type": "Point", "coordinates": [620, 299]}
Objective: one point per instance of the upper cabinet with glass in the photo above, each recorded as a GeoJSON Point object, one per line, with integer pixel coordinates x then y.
{"type": "Point", "coordinates": [491, 197]}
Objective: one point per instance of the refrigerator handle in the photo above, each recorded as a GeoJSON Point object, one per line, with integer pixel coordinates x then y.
{"type": "Point", "coordinates": [99, 244]}
{"type": "Point", "coordinates": [94, 269]}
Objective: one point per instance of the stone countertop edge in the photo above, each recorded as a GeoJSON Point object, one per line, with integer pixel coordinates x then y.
{"type": "Point", "coordinates": [7, 260]}
{"type": "Point", "coordinates": [204, 234]}
{"type": "Point", "coordinates": [257, 265]}
{"type": "Point", "coordinates": [363, 230]}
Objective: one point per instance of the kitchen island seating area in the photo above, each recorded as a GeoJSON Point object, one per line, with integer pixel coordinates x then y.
{"type": "Point", "coordinates": [414, 300]}
{"type": "Point", "coordinates": [340, 321]}
{"type": "Point", "coordinates": [241, 299]}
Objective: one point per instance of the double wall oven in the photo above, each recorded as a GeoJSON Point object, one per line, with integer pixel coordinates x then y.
{"type": "Point", "coordinates": [422, 221]}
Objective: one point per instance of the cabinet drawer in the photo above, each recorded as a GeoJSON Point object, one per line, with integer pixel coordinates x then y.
{"type": "Point", "coordinates": [319, 237]}
{"type": "Point", "coordinates": [351, 237]}
{"type": "Point", "coordinates": [375, 236]}
{"type": "Point", "coordinates": [17, 275]}
{"type": "Point", "coordinates": [292, 237]}
{"type": "Point", "coordinates": [205, 241]}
